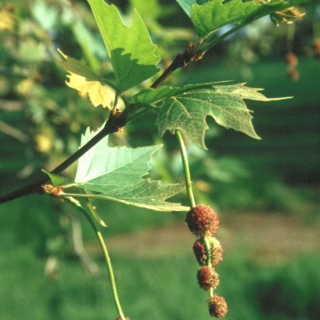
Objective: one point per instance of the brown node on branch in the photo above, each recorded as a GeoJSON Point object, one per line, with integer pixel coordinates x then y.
{"type": "Point", "coordinates": [53, 191]}
{"type": "Point", "coordinates": [190, 55]}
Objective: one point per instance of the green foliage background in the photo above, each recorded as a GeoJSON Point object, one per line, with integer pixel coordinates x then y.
{"type": "Point", "coordinates": [41, 122]}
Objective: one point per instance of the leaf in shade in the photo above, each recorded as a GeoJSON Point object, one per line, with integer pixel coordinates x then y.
{"type": "Point", "coordinates": [130, 49]}
{"type": "Point", "coordinates": [187, 111]}
{"type": "Point", "coordinates": [74, 66]}
{"type": "Point", "coordinates": [215, 14]}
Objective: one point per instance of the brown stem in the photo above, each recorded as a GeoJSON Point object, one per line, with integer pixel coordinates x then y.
{"type": "Point", "coordinates": [180, 61]}
{"type": "Point", "coordinates": [111, 126]}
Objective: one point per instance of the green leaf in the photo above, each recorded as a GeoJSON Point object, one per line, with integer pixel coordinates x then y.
{"type": "Point", "coordinates": [57, 180]}
{"type": "Point", "coordinates": [130, 49]}
{"type": "Point", "coordinates": [116, 174]}
{"type": "Point", "coordinates": [187, 111]}
{"type": "Point", "coordinates": [186, 5]}
{"type": "Point", "coordinates": [153, 96]}
{"type": "Point", "coordinates": [215, 14]}
{"type": "Point", "coordinates": [76, 67]}
{"type": "Point", "coordinates": [150, 9]}
{"type": "Point", "coordinates": [102, 159]}
{"type": "Point", "coordinates": [145, 194]}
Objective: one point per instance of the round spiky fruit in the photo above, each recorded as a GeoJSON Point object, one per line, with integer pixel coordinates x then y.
{"type": "Point", "coordinates": [202, 220]}
{"type": "Point", "coordinates": [208, 278]}
{"type": "Point", "coordinates": [218, 307]}
{"type": "Point", "coordinates": [215, 251]}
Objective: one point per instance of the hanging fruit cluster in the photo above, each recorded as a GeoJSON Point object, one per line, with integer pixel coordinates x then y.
{"type": "Point", "coordinates": [204, 223]}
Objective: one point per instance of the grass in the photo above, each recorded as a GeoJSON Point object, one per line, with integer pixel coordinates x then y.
{"type": "Point", "coordinates": [158, 288]}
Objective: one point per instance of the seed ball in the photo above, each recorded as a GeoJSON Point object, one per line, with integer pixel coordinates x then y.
{"type": "Point", "coordinates": [208, 278]}
{"type": "Point", "coordinates": [218, 307]}
{"type": "Point", "coordinates": [200, 252]}
{"type": "Point", "coordinates": [202, 220]}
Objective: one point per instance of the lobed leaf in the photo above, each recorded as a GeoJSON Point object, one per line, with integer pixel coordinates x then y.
{"type": "Point", "coordinates": [105, 165]}
{"type": "Point", "coordinates": [116, 174]}
{"type": "Point", "coordinates": [215, 14]}
{"type": "Point", "coordinates": [187, 111]}
{"type": "Point", "coordinates": [186, 5]}
{"type": "Point", "coordinates": [153, 96]}
{"type": "Point", "coordinates": [130, 49]}
{"type": "Point", "coordinates": [145, 194]}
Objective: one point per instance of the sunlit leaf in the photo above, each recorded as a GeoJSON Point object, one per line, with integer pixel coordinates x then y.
{"type": "Point", "coordinates": [116, 173]}
{"type": "Point", "coordinates": [98, 93]}
{"type": "Point", "coordinates": [130, 48]}
{"type": "Point", "coordinates": [102, 159]}
{"type": "Point", "coordinates": [187, 111]}
{"type": "Point", "coordinates": [87, 82]}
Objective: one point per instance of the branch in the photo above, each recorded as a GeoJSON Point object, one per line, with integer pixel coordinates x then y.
{"type": "Point", "coordinates": [180, 61]}
{"type": "Point", "coordinates": [114, 124]}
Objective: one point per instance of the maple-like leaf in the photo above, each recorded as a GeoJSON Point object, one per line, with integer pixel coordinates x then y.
{"type": "Point", "coordinates": [187, 111]}
{"type": "Point", "coordinates": [130, 49]}
{"type": "Point", "coordinates": [214, 14]}
{"type": "Point", "coordinates": [115, 173]}
{"type": "Point", "coordinates": [154, 96]}
{"type": "Point", "coordinates": [87, 82]}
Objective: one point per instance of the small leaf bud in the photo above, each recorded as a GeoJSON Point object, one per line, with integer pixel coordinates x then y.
{"type": "Point", "coordinates": [202, 220]}
{"type": "Point", "coordinates": [208, 278]}
{"type": "Point", "coordinates": [218, 307]}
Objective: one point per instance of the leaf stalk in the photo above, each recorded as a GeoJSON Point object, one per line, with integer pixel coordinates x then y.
{"type": "Point", "coordinates": [111, 126]}
{"type": "Point", "coordinates": [105, 253]}
{"type": "Point", "coordinates": [186, 169]}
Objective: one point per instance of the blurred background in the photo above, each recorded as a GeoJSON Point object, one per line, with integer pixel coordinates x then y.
{"type": "Point", "coordinates": [265, 191]}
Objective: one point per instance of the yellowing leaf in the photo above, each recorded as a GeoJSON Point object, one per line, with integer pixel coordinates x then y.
{"type": "Point", "coordinates": [87, 82]}
{"type": "Point", "coordinates": [98, 93]}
